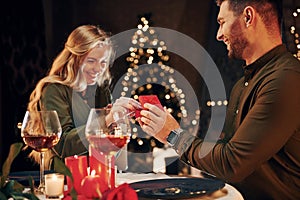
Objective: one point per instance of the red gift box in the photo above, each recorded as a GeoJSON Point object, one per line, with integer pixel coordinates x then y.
{"type": "Point", "coordinates": [152, 99]}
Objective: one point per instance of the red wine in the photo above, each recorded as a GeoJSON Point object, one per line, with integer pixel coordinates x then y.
{"type": "Point", "coordinates": [109, 143]}
{"type": "Point", "coordinates": [41, 143]}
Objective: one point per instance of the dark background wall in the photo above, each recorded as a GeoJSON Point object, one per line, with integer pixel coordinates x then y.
{"type": "Point", "coordinates": [34, 32]}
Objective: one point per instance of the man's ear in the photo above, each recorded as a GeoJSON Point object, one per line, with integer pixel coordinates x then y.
{"type": "Point", "coordinates": [249, 14]}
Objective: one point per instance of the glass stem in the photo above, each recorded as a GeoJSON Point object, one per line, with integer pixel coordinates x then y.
{"type": "Point", "coordinates": [42, 172]}
{"type": "Point", "coordinates": [108, 158]}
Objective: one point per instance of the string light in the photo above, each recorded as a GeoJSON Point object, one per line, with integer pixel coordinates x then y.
{"type": "Point", "coordinates": [294, 31]}
{"type": "Point", "coordinates": [217, 103]}
{"type": "Point", "coordinates": [157, 72]}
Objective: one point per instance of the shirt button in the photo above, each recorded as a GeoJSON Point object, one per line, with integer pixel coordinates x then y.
{"type": "Point", "coordinates": [237, 111]}
{"type": "Point", "coordinates": [246, 84]}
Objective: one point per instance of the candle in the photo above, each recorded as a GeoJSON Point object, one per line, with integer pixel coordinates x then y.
{"type": "Point", "coordinates": [93, 186]}
{"type": "Point", "coordinates": [54, 185]}
{"type": "Point", "coordinates": [78, 168]}
{"type": "Point", "coordinates": [98, 163]}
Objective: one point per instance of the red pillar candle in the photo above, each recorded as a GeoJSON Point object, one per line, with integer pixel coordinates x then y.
{"type": "Point", "coordinates": [78, 168]}
{"type": "Point", "coordinates": [101, 167]}
{"type": "Point", "coordinates": [93, 186]}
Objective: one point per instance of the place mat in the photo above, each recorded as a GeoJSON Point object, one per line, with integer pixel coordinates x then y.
{"type": "Point", "coordinates": [23, 176]}
{"type": "Point", "coordinates": [177, 188]}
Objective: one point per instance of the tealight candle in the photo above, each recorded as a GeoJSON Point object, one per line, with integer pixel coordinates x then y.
{"type": "Point", "coordinates": [54, 185]}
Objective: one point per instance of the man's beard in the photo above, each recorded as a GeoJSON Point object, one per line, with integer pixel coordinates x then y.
{"type": "Point", "coordinates": [238, 42]}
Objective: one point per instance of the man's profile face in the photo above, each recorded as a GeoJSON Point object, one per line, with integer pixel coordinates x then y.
{"type": "Point", "coordinates": [231, 32]}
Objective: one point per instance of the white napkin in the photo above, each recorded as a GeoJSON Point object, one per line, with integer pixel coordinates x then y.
{"type": "Point", "coordinates": [134, 177]}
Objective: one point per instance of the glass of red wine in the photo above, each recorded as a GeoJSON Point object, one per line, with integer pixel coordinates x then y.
{"type": "Point", "coordinates": [106, 137]}
{"type": "Point", "coordinates": [41, 130]}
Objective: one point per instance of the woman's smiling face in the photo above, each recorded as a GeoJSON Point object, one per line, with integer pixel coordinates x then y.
{"type": "Point", "coordinates": [95, 64]}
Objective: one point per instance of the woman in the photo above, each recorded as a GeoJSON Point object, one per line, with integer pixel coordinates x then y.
{"type": "Point", "coordinates": [77, 81]}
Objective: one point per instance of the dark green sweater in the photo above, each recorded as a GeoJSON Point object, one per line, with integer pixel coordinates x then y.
{"type": "Point", "coordinates": [73, 111]}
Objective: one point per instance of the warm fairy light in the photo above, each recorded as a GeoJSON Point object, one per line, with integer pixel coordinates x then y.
{"type": "Point", "coordinates": [225, 102]}
{"type": "Point", "coordinates": [134, 136]}
{"type": "Point", "coordinates": [140, 142]}
{"type": "Point", "coordinates": [158, 73]}
{"type": "Point", "coordinates": [151, 31]}
{"type": "Point", "coordinates": [218, 103]}
{"type": "Point", "coordinates": [134, 129]}
{"type": "Point", "coordinates": [149, 86]}
{"type": "Point", "coordinates": [294, 31]}
{"type": "Point", "coordinates": [135, 79]}
{"type": "Point", "coordinates": [295, 14]}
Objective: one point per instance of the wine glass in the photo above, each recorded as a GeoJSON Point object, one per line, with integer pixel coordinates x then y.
{"type": "Point", "coordinates": [41, 130]}
{"type": "Point", "coordinates": [105, 138]}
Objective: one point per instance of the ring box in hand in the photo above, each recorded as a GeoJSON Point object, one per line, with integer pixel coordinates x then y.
{"type": "Point", "coordinates": [152, 99]}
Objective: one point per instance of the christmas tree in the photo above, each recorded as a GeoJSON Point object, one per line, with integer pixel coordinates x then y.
{"type": "Point", "coordinates": [149, 73]}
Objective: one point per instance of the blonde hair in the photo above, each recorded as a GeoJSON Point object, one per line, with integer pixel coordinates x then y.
{"type": "Point", "coordinates": [67, 66]}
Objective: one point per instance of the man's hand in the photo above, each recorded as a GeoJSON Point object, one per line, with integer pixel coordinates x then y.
{"type": "Point", "coordinates": [157, 122]}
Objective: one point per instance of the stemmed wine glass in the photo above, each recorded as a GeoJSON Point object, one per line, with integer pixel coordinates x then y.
{"type": "Point", "coordinates": [41, 130]}
{"type": "Point", "coordinates": [105, 138]}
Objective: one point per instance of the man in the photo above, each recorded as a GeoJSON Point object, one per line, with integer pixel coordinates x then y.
{"type": "Point", "coordinates": [259, 153]}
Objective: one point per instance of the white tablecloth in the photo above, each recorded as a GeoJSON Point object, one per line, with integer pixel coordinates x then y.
{"type": "Point", "coordinates": [226, 193]}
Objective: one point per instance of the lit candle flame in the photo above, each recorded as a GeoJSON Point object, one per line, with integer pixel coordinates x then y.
{"type": "Point", "coordinates": [93, 172]}
{"type": "Point", "coordinates": [54, 177]}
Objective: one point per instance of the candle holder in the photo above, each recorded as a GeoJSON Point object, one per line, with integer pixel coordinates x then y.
{"type": "Point", "coordinates": [54, 186]}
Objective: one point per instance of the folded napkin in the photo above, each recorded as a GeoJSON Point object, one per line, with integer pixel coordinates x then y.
{"type": "Point", "coordinates": [122, 192]}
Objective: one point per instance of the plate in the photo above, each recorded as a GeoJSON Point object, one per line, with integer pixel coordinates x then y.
{"type": "Point", "coordinates": [176, 188]}
{"type": "Point", "coordinates": [23, 176]}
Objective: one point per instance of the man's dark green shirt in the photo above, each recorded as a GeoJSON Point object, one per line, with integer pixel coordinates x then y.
{"type": "Point", "coordinates": [259, 152]}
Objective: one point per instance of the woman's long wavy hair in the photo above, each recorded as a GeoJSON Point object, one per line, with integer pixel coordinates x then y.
{"type": "Point", "coordinates": [67, 66]}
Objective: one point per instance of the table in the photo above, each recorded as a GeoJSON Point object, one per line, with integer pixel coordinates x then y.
{"type": "Point", "coordinates": [226, 193]}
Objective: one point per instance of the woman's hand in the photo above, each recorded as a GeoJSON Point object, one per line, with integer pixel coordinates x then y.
{"type": "Point", "coordinates": [157, 122]}
{"type": "Point", "coordinates": [125, 105]}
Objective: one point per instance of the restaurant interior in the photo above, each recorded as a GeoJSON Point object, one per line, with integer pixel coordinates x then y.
{"type": "Point", "coordinates": [33, 32]}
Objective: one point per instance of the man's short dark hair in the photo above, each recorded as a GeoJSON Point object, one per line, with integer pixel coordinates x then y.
{"type": "Point", "coordinates": [269, 10]}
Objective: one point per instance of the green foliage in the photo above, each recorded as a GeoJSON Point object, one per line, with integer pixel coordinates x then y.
{"type": "Point", "coordinates": [11, 188]}
{"type": "Point", "coordinates": [15, 190]}
{"type": "Point", "coordinates": [13, 152]}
